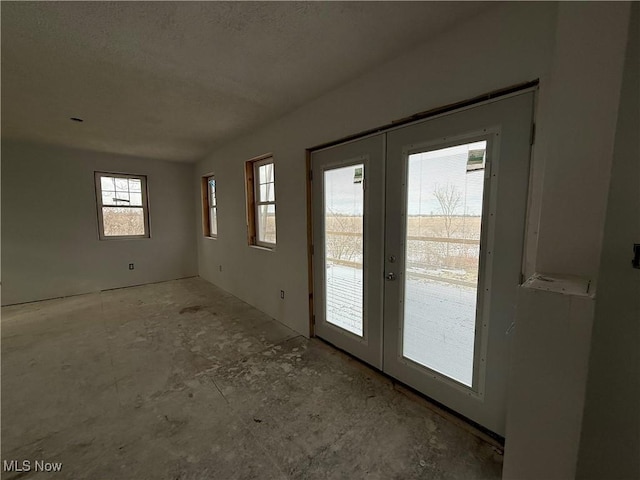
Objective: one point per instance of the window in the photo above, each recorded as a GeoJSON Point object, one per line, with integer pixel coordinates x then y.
{"type": "Point", "coordinates": [122, 205]}
{"type": "Point", "coordinates": [261, 202]}
{"type": "Point", "coordinates": [209, 207]}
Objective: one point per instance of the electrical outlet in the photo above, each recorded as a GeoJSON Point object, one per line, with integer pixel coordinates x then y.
{"type": "Point", "coordinates": [281, 293]}
{"type": "Point", "coordinates": [131, 266]}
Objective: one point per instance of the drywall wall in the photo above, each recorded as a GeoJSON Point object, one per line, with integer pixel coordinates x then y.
{"type": "Point", "coordinates": [50, 244]}
{"type": "Point", "coordinates": [547, 375]}
{"type": "Point", "coordinates": [610, 445]}
{"type": "Point", "coordinates": [577, 128]}
{"type": "Point", "coordinates": [510, 44]}
{"type": "Point", "coordinates": [553, 334]}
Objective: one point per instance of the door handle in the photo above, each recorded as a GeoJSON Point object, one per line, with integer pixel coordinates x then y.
{"type": "Point", "coordinates": [390, 276]}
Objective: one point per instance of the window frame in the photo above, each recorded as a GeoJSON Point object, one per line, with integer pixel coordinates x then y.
{"type": "Point", "coordinates": [98, 175]}
{"type": "Point", "coordinates": [253, 203]}
{"type": "Point", "coordinates": [206, 206]}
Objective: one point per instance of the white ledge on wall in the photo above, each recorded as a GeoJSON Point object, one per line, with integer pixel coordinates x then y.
{"type": "Point", "coordinates": [266, 249]}
{"type": "Point", "coordinates": [563, 284]}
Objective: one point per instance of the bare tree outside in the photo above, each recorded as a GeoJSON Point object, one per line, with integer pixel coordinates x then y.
{"type": "Point", "coordinates": [450, 199]}
{"type": "Point", "coordinates": [436, 242]}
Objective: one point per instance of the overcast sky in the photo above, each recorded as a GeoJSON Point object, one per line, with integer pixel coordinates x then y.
{"type": "Point", "coordinates": [445, 168]}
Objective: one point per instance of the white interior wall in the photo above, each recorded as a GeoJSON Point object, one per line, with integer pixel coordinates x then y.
{"type": "Point", "coordinates": [50, 245]}
{"type": "Point", "coordinates": [509, 44]}
{"type": "Point", "coordinates": [553, 334]}
{"type": "Point", "coordinates": [577, 133]}
{"type": "Point", "coordinates": [610, 446]}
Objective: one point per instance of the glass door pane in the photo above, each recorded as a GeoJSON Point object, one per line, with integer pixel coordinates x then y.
{"type": "Point", "coordinates": [344, 252]}
{"type": "Point", "coordinates": [443, 225]}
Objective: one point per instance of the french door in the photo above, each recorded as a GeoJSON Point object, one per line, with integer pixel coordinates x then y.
{"type": "Point", "coordinates": [349, 232]}
{"type": "Point", "coordinates": [418, 240]}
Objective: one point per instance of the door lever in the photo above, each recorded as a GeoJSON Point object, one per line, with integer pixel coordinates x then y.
{"type": "Point", "coordinates": [390, 276]}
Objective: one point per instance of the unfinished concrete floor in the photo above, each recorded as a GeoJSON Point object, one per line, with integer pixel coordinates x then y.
{"type": "Point", "coordinates": [180, 380]}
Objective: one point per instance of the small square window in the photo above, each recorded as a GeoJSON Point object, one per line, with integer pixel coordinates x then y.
{"type": "Point", "coordinates": [261, 202]}
{"type": "Point", "coordinates": [209, 207]}
{"type": "Point", "coordinates": [122, 205]}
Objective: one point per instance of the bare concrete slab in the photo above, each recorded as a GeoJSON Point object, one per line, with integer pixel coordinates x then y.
{"type": "Point", "coordinates": [181, 380]}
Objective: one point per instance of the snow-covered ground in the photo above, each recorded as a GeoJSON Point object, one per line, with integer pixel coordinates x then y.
{"type": "Point", "coordinates": [344, 297]}
{"type": "Point", "coordinates": [439, 319]}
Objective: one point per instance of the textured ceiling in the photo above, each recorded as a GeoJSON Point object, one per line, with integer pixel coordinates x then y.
{"type": "Point", "coordinates": [170, 80]}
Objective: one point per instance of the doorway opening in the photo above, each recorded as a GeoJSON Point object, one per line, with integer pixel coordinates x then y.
{"type": "Point", "coordinates": [417, 245]}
